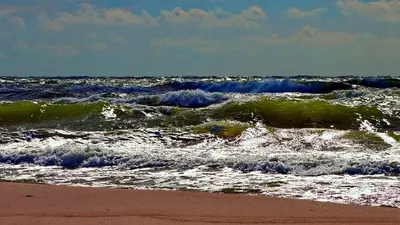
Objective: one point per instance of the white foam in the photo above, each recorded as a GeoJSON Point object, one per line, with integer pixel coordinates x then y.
{"type": "Point", "coordinates": [108, 112]}
{"type": "Point", "coordinates": [189, 163]}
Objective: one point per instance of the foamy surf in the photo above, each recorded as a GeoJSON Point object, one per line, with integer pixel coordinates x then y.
{"type": "Point", "coordinates": [329, 140]}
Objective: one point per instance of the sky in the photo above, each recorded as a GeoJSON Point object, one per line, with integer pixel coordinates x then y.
{"type": "Point", "coordinates": [199, 37]}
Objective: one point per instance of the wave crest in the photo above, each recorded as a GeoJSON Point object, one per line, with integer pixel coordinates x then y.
{"type": "Point", "coordinates": [268, 86]}
{"type": "Point", "coordinates": [192, 99]}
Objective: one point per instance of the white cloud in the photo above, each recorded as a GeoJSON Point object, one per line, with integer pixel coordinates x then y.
{"type": "Point", "coordinates": [220, 12]}
{"type": "Point", "coordinates": [49, 24]}
{"type": "Point", "coordinates": [314, 37]}
{"type": "Point", "coordinates": [57, 49]}
{"type": "Point", "coordinates": [297, 13]}
{"type": "Point", "coordinates": [308, 36]}
{"type": "Point", "coordinates": [248, 18]}
{"type": "Point", "coordinates": [90, 14]}
{"type": "Point", "coordinates": [8, 13]}
{"type": "Point", "coordinates": [383, 10]}
{"type": "Point", "coordinates": [360, 46]}
{"type": "Point", "coordinates": [193, 43]}
{"type": "Point", "coordinates": [21, 44]}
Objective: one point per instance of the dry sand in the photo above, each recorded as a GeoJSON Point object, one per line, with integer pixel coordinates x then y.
{"type": "Point", "coordinates": [31, 204]}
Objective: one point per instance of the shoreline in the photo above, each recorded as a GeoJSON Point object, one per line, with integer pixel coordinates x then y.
{"type": "Point", "coordinates": [32, 204]}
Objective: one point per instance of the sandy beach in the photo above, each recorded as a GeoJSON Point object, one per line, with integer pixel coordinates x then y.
{"type": "Point", "coordinates": [32, 204]}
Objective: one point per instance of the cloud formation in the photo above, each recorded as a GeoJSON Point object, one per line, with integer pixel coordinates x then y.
{"type": "Point", "coordinates": [383, 10]}
{"type": "Point", "coordinates": [308, 36]}
{"type": "Point", "coordinates": [356, 46]}
{"type": "Point", "coordinates": [247, 18]}
{"type": "Point", "coordinates": [88, 14]}
{"type": "Point", "coordinates": [297, 13]}
{"type": "Point", "coordinates": [49, 24]}
{"type": "Point", "coordinates": [358, 35]}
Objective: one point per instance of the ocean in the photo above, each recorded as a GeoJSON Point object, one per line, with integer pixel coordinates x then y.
{"type": "Point", "coordinates": [329, 139]}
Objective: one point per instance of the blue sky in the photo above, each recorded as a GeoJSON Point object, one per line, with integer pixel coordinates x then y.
{"type": "Point", "coordinates": [199, 37]}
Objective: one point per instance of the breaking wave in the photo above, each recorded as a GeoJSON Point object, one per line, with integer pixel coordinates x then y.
{"type": "Point", "coordinates": [377, 82]}
{"type": "Point", "coordinates": [185, 98]}
{"type": "Point", "coordinates": [302, 153]}
{"type": "Point", "coordinates": [14, 89]}
{"type": "Point", "coordinates": [191, 99]}
{"type": "Point", "coordinates": [281, 112]}
{"type": "Point", "coordinates": [208, 133]}
{"type": "Point", "coordinates": [90, 158]}
{"type": "Point", "coordinates": [268, 86]}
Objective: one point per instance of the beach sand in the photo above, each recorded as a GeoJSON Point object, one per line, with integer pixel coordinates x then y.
{"type": "Point", "coordinates": [33, 204]}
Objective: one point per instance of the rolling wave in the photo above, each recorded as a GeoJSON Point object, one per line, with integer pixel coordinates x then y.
{"type": "Point", "coordinates": [268, 86]}
{"type": "Point", "coordinates": [377, 82]}
{"type": "Point", "coordinates": [275, 112]}
{"type": "Point", "coordinates": [191, 99]}
{"type": "Point", "coordinates": [41, 89]}
{"type": "Point", "coordinates": [185, 98]}
{"type": "Point", "coordinates": [31, 112]}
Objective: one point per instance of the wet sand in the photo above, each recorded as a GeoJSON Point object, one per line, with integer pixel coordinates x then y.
{"type": "Point", "coordinates": [32, 204]}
